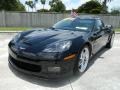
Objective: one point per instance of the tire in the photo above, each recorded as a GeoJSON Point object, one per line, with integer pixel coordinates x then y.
{"type": "Point", "coordinates": [82, 60]}
{"type": "Point", "coordinates": [110, 43]}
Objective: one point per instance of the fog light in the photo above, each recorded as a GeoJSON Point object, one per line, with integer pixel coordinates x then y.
{"type": "Point", "coordinates": [54, 69]}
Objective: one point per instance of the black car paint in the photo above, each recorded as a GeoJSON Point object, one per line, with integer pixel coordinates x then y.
{"type": "Point", "coordinates": [43, 38]}
{"type": "Point", "coordinates": [35, 41]}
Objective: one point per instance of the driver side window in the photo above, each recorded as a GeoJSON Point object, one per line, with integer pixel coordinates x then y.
{"type": "Point", "coordinates": [99, 25]}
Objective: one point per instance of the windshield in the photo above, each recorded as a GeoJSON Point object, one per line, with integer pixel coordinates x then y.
{"type": "Point", "coordinates": [75, 24]}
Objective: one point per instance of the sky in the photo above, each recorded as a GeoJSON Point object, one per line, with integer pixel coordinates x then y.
{"type": "Point", "coordinates": [74, 4]}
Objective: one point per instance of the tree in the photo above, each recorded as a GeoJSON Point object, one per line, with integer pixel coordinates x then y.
{"type": "Point", "coordinates": [104, 4]}
{"type": "Point", "coordinates": [35, 2]}
{"type": "Point", "coordinates": [43, 10]}
{"type": "Point", "coordinates": [115, 11]}
{"type": "Point", "coordinates": [43, 3]}
{"type": "Point", "coordinates": [92, 6]}
{"type": "Point", "coordinates": [57, 6]}
{"type": "Point", "coordinates": [30, 4]}
{"type": "Point", "coordinates": [11, 5]}
{"type": "Point", "coordinates": [20, 7]}
{"type": "Point", "coordinates": [27, 3]}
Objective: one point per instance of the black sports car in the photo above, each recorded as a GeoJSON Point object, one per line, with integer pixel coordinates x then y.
{"type": "Point", "coordinates": [60, 50]}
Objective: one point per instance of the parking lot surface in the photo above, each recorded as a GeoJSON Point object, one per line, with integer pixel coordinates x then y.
{"type": "Point", "coordinates": [103, 72]}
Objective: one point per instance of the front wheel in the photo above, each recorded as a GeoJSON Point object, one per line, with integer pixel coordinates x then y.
{"type": "Point", "coordinates": [83, 60]}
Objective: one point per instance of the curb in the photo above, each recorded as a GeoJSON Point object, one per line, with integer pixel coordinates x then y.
{"type": "Point", "coordinates": [117, 32]}
{"type": "Point", "coordinates": [10, 31]}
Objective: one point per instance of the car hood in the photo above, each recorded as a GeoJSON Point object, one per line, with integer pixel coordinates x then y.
{"type": "Point", "coordinates": [41, 38]}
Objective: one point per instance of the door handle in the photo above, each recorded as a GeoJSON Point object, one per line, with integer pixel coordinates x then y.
{"type": "Point", "coordinates": [95, 34]}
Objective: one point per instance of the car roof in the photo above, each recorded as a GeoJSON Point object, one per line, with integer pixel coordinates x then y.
{"type": "Point", "coordinates": [84, 17]}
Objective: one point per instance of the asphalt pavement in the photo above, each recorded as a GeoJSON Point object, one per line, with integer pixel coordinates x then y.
{"type": "Point", "coordinates": [103, 72]}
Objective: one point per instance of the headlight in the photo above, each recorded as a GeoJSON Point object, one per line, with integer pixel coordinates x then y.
{"type": "Point", "coordinates": [17, 37]}
{"type": "Point", "coordinates": [58, 46]}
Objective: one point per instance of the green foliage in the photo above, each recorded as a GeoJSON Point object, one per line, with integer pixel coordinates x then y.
{"type": "Point", "coordinates": [117, 30]}
{"type": "Point", "coordinates": [43, 10]}
{"type": "Point", "coordinates": [35, 1]}
{"type": "Point", "coordinates": [57, 6]}
{"type": "Point", "coordinates": [21, 7]}
{"type": "Point", "coordinates": [96, 11]}
{"type": "Point", "coordinates": [30, 4]}
{"type": "Point", "coordinates": [43, 2]}
{"type": "Point", "coordinates": [92, 6]}
{"type": "Point", "coordinates": [104, 4]}
{"type": "Point", "coordinates": [14, 28]}
{"type": "Point", "coordinates": [115, 11]}
{"type": "Point", "coordinates": [11, 5]}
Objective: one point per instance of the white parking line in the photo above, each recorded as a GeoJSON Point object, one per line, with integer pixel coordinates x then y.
{"type": "Point", "coordinates": [3, 55]}
{"type": "Point", "coordinates": [116, 47]}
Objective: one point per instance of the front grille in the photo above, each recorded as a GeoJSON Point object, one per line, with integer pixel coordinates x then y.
{"type": "Point", "coordinates": [14, 49]}
{"type": "Point", "coordinates": [26, 66]}
{"type": "Point", "coordinates": [23, 56]}
{"type": "Point", "coordinates": [28, 58]}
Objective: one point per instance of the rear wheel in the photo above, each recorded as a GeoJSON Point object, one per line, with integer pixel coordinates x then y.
{"type": "Point", "coordinates": [110, 43]}
{"type": "Point", "coordinates": [83, 59]}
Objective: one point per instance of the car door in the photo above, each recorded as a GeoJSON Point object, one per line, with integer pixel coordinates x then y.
{"type": "Point", "coordinates": [97, 36]}
{"type": "Point", "coordinates": [105, 34]}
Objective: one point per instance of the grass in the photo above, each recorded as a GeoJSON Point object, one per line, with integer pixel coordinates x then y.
{"type": "Point", "coordinates": [117, 30]}
{"type": "Point", "coordinates": [14, 28]}
{"type": "Point", "coordinates": [26, 28]}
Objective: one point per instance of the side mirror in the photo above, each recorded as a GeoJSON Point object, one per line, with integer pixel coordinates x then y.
{"type": "Point", "coordinates": [108, 26]}
{"type": "Point", "coordinates": [51, 28]}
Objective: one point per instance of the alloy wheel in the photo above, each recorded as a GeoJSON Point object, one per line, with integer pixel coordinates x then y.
{"type": "Point", "coordinates": [83, 59]}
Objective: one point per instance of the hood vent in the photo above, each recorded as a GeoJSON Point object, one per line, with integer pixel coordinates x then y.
{"type": "Point", "coordinates": [25, 41]}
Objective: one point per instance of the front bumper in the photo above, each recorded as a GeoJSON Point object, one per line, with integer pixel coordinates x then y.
{"type": "Point", "coordinates": [41, 68]}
